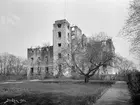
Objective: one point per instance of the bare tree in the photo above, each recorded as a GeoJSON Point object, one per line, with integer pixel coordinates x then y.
{"type": "Point", "coordinates": [132, 28]}
{"type": "Point", "coordinates": [89, 58]}
{"type": "Point", "coordinates": [123, 65]}
{"type": "Point", "coordinates": [11, 64]}
{"type": "Point", "coordinates": [101, 36]}
{"type": "Point", "coordinates": [5, 63]}
{"type": "Point", "coordinates": [18, 66]}
{"type": "Point", "coordinates": [11, 60]}
{"type": "Point", "coordinates": [1, 65]}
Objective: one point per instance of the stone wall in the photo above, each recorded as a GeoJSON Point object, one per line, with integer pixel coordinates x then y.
{"type": "Point", "coordinates": [40, 60]}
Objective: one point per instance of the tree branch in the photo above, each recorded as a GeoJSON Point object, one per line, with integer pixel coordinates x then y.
{"type": "Point", "coordinates": [79, 69]}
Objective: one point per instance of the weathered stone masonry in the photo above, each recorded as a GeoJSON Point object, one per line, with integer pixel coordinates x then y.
{"type": "Point", "coordinates": [44, 61]}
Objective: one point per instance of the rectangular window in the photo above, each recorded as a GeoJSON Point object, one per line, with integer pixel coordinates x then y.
{"type": "Point", "coordinates": [59, 67]}
{"type": "Point", "coordinates": [32, 71]}
{"type": "Point", "coordinates": [39, 70]}
{"type": "Point", "coordinates": [59, 55]}
{"type": "Point", "coordinates": [46, 69]}
{"type": "Point", "coordinates": [59, 44]}
{"type": "Point", "coordinates": [68, 26]}
{"type": "Point", "coordinates": [46, 59]}
{"type": "Point", "coordinates": [68, 56]}
{"type": "Point", "coordinates": [68, 36]}
{"type": "Point", "coordinates": [59, 34]}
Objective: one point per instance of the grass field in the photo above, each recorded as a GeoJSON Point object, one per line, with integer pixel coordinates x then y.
{"type": "Point", "coordinates": [40, 93]}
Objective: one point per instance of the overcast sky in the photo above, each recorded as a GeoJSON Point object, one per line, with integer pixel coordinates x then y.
{"type": "Point", "coordinates": [26, 23]}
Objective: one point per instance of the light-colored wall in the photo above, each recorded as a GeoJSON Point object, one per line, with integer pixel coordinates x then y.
{"type": "Point", "coordinates": [63, 40]}
{"type": "Point", "coordinates": [36, 53]}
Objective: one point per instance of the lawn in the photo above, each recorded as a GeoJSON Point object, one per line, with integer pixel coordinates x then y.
{"type": "Point", "coordinates": [41, 93]}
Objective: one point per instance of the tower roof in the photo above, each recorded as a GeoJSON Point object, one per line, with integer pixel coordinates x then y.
{"type": "Point", "coordinates": [62, 21]}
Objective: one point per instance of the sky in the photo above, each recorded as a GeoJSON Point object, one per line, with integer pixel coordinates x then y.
{"type": "Point", "coordinates": [26, 23]}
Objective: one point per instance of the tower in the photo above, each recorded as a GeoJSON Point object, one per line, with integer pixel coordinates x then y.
{"type": "Point", "coordinates": [61, 39]}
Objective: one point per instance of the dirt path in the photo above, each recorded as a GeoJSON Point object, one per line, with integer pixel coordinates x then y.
{"type": "Point", "coordinates": [118, 94]}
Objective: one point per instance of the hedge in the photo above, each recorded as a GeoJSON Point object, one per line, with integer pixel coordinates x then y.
{"type": "Point", "coordinates": [133, 81]}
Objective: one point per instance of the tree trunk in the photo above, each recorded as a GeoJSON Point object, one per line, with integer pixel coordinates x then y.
{"type": "Point", "coordinates": [86, 79]}
{"type": "Point", "coordinates": [59, 74]}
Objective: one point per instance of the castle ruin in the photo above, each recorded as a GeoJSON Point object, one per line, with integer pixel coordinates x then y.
{"type": "Point", "coordinates": [44, 61]}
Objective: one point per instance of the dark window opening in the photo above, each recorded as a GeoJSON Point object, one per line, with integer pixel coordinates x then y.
{"type": "Point", "coordinates": [32, 59]}
{"type": "Point", "coordinates": [46, 59]}
{"type": "Point", "coordinates": [39, 70]}
{"type": "Point", "coordinates": [32, 71]}
{"type": "Point", "coordinates": [68, 56]}
{"type": "Point", "coordinates": [59, 55]}
{"type": "Point", "coordinates": [59, 25]}
{"type": "Point", "coordinates": [38, 61]}
{"type": "Point", "coordinates": [59, 34]}
{"type": "Point", "coordinates": [68, 26]}
{"type": "Point", "coordinates": [59, 67]}
{"type": "Point", "coordinates": [59, 44]}
{"type": "Point", "coordinates": [39, 58]}
{"type": "Point", "coordinates": [46, 69]}
{"type": "Point", "coordinates": [68, 36]}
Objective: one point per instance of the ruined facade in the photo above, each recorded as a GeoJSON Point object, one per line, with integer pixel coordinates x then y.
{"type": "Point", "coordinates": [61, 39]}
{"type": "Point", "coordinates": [47, 60]}
{"type": "Point", "coordinates": [40, 62]}
{"type": "Point", "coordinates": [107, 46]}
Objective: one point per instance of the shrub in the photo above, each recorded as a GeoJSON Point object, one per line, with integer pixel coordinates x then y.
{"type": "Point", "coordinates": [49, 99]}
{"type": "Point", "coordinates": [13, 77]}
{"type": "Point", "coordinates": [133, 81]}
